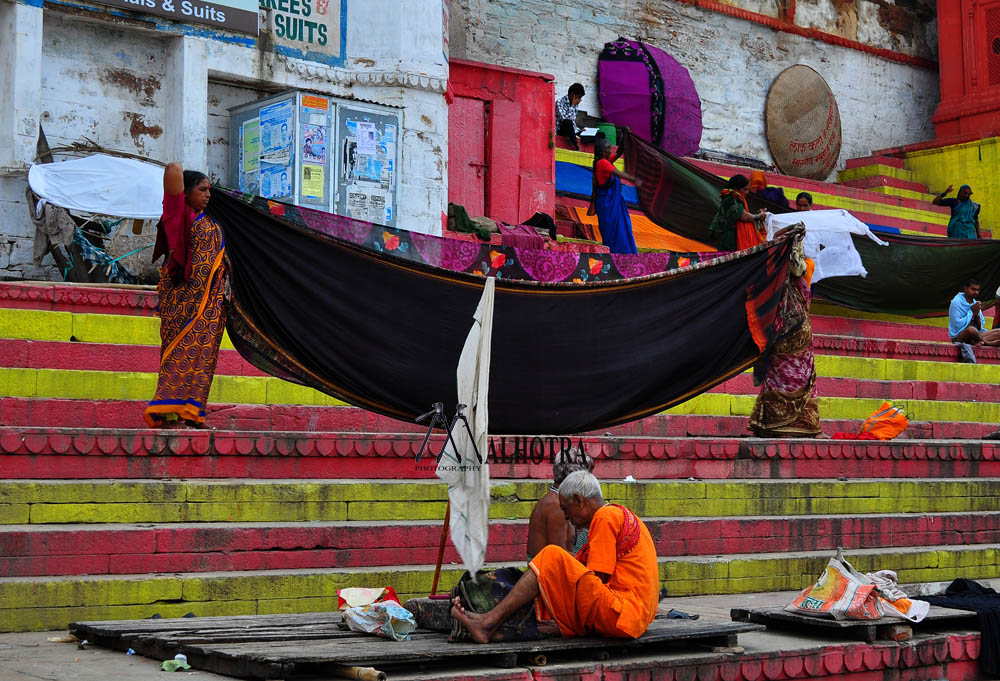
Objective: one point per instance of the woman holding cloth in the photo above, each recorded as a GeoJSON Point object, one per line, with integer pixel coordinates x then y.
{"type": "Point", "coordinates": [608, 202]}
{"type": "Point", "coordinates": [734, 227]}
{"type": "Point", "coordinates": [191, 301]}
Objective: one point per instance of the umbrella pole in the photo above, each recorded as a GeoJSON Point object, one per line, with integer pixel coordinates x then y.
{"type": "Point", "coordinates": [444, 539]}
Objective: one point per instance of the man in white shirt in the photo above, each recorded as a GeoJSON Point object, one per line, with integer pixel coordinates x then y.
{"type": "Point", "coordinates": [566, 114]}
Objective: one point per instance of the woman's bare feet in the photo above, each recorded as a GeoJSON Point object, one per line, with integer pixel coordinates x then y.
{"type": "Point", "coordinates": [471, 621]}
{"type": "Point", "coordinates": [172, 424]}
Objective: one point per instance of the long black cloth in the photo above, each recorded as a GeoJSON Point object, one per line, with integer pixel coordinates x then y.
{"type": "Point", "coordinates": [915, 274]}
{"type": "Point", "coordinates": [965, 594]}
{"type": "Point", "coordinates": [385, 333]}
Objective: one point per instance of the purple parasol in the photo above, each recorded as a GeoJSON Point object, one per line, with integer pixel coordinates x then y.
{"type": "Point", "coordinates": [644, 88]}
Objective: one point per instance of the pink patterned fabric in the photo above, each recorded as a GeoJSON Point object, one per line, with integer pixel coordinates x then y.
{"type": "Point", "coordinates": [548, 265]}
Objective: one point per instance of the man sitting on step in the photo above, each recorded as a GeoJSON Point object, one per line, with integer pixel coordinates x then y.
{"type": "Point", "coordinates": [547, 524]}
{"type": "Point", "coordinates": [611, 587]}
{"type": "Point", "coordinates": [966, 324]}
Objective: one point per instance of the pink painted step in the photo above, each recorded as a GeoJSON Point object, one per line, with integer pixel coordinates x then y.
{"type": "Point", "coordinates": [32, 551]}
{"type": "Point", "coordinates": [877, 160]}
{"type": "Point", "coordinates": [127, 414]}
{"type": "Point", "coordinates": [17, 353]}
{"type": "Point", "coordinates": [877, 329]}
{"type": "Point", "coordinates": [890, 390]}
{"type": "Point", "coordinates": [104, 357]}
{"type": "Point", "coordinates": [924, 351]}
{"type": "Point", "coordinates": [885, 181]}
{"type": "Point", "coordinates": [68, 453]}
{"type": "Point", "coordinates": [77, 298]}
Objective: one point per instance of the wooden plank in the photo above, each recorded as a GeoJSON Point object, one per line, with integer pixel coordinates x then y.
{"type": "Point", "coordinates": [865, 630]}
{"type": "Point", "coordinates": [264, 646]}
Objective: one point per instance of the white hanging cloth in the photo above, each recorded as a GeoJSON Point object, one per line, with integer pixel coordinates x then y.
{"type": "Point", "coordinates": [828, 240]}
{"type": "Point", "coordinates": [101, 184]}
{"type": "Point", "coordinates": [468, 479]}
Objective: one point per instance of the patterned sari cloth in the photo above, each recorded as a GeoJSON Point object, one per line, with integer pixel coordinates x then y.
{"type": "Point", "coordinates": [786, 406]}
{"type": "Point", "coordinates": [192, 320]}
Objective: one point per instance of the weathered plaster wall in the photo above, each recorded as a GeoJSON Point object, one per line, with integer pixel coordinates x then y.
{"type": "Point", "coordinates": [162, 89]}
{"type": "Point", "coordinates": [732, 61]}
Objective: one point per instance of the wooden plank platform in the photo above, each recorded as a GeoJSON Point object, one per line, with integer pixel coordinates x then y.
{"type": "Point", "coordinates": [283, 646]}
{"type": "Point", "coordinates": [855, 630]}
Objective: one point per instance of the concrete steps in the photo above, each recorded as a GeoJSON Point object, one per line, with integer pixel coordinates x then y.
{"type": "Point", "coordinates": [296, 495]}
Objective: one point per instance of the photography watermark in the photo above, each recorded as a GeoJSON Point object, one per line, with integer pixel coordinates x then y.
{"type": "Point", "coordinates": [522, 449]}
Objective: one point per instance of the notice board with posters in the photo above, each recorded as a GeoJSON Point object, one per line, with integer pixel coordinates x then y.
{"type": "Point", "coordinates": [318, 151]}
{"type": "Point", "coordinates": [368, 153]}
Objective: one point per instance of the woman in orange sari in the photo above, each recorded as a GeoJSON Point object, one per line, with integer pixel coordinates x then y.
{"type": "Point", "coordinates": [734, 227]}
{"type": "Point", "coordinates": [191, 301]}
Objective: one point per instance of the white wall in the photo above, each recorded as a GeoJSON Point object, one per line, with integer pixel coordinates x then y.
{"type": "Point", "coordinates": [162, 89]}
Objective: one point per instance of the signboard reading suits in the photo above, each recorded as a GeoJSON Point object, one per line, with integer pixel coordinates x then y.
{"type": "Point", "coordinates": [233, 15]}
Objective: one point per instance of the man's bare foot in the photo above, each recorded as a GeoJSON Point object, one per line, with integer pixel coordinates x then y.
{"type": "Point", "coordinates": [471, 621]}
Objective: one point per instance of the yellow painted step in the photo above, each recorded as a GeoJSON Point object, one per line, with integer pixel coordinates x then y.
{"type": "Point", "coordinates": [904, 193]}
{"type": "Point", "coordinates": [148, 501]}
{"type": "Point", "coordinates": [874, 170]}
{"type": "Point", "coordinates": [119, 329]}
{"type": "Point", "coordinates": [582, 158]}
{"type": "Point", "coordinates": [34, 604]}
{"type": "Point", "coordinates": [734, 574]}
{"type": "Point", "coordinates": [121, 385]}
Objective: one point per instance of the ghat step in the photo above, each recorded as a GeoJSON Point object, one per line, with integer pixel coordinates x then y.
{"type": "Point", "coordinates": [109, 549]}
{"type": "Point", "coordinates": [33, 453]}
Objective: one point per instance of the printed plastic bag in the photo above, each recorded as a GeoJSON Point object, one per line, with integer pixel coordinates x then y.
{"type": "Point", "coordinates": [355, 597]}
{"type": "Point", "coordinates": [844, 593]}
{"type": "Point", "coordinates": [387, 619]}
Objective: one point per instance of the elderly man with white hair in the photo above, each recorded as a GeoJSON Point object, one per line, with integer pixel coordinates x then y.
{"type": "Point", "coordinates": [610, 588]}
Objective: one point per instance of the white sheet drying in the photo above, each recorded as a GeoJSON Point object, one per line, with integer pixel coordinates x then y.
{"type": "Point", "coordinates": [101, 184]}
{"type": "Point", "coordinates": [828, 240]}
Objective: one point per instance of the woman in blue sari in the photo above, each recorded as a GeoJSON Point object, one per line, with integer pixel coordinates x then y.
{"type": "Point", "coordinates": [608, 202]}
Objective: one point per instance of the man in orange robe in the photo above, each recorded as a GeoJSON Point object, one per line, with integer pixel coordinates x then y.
{"type": "Point", "coordinates": [611, 587]}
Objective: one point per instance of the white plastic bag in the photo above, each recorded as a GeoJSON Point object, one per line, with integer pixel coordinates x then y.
{"type": "Point", "coordinates": [386, 618]}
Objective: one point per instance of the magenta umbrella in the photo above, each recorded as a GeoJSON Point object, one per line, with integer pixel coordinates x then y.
{"type": "Point", "coordinates": [644, 88]}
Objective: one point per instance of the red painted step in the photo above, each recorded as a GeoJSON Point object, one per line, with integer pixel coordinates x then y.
{"type": "Point", "coordinates": [876, 329]}
{"type": "Point", "coordinates": [126, 414]}
{"type": "Point", "coordinates": [104, 357]}
{"type": "Point", "coordinates": [890, 390]}
{"type": "Point", "coordinates": [67, 453]}
{"type": "Point", "coordinates": [879, 160]}
{"type": "Point", "coordinates": [63, 355]}
{"type": "Point", "coordinates": [61, 297]}
{"type": "Point", "coordinates": [31, 551]}
{"type": "Point", "coordinates": [885, 181]}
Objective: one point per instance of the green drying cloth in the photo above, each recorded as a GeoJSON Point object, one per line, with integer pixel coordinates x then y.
{"type": "Point", "coordinates": [463, 223]}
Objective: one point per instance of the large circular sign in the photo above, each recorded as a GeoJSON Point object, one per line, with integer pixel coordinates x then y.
{"type": "Point", "coordinates": [803, 124]}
